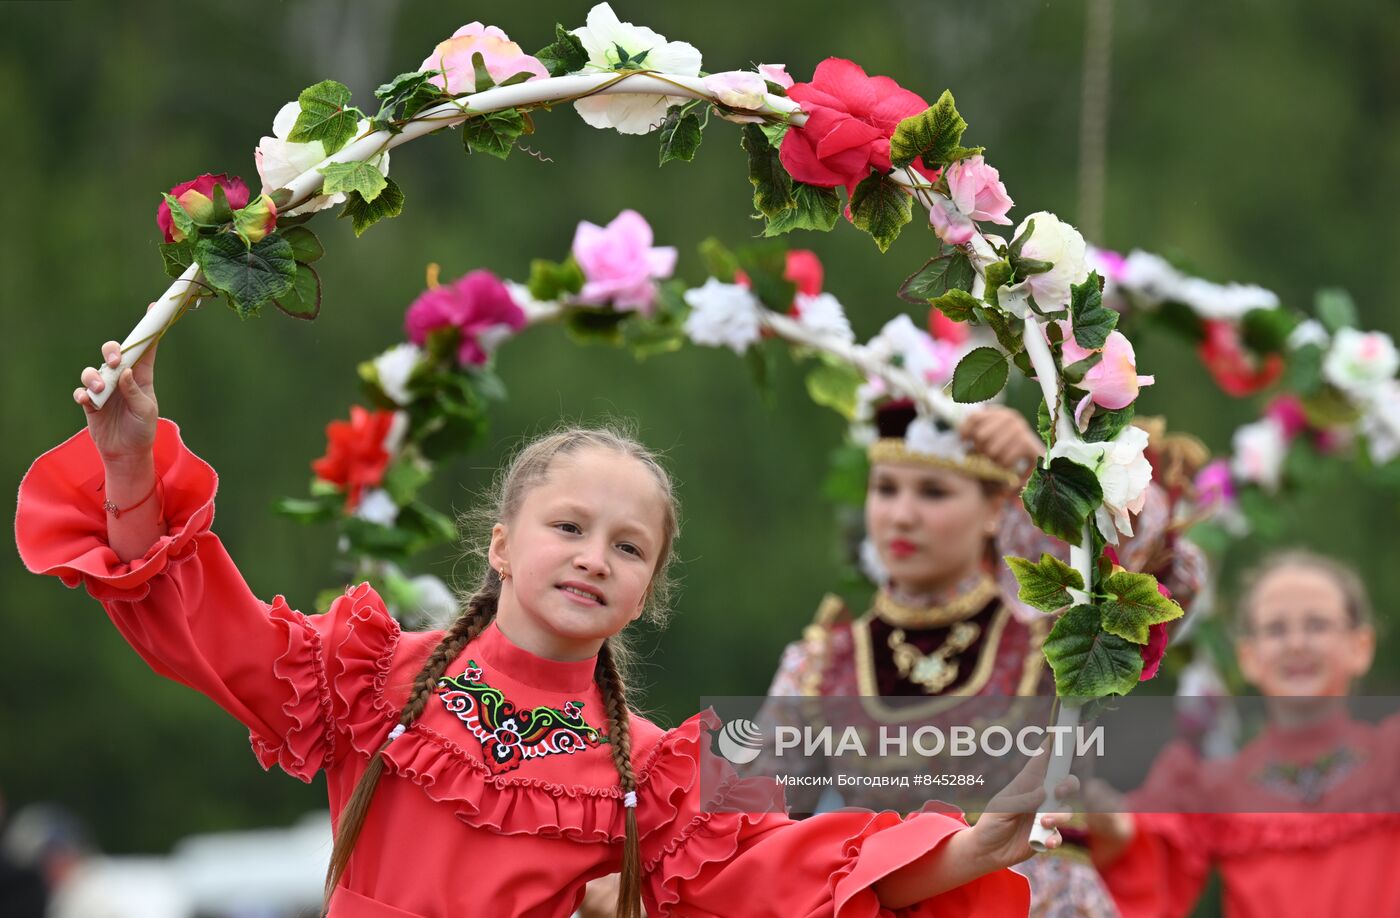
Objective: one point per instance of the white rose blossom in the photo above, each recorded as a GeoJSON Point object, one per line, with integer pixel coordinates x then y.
{"type": "Point", "coordinates": [1359, 363]}
{"type": "Point", "coordinates": [1259, 449]}
{"type": "Point", "coordinates": [1381, 423]}
{"type": "Point", "coordinates": [823, 314]}
{"type": "Point", "coordinates": [376, 506]}
{"type": "Point", "coordinates": [1152, 277]}
{"type": "Point", "coordinates": [1058, 243]}
{"type": "Point", "coordinates": [393, 368]}
{"type": "Point", "coordinates": [932, 360]}
{"type": "Point", "coordinates": [1123, 473]}
{"type": "Point", "coordinates": [723, 315]}
{"type": "Point", "coordinates": [279, 160]}
{"type": "Point", "coordinates": [603, 35]}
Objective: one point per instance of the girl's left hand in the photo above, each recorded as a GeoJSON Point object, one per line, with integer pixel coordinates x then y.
{"type": "Point", "coordinates": [1003, 436]}
{"type": "Point", "coordinates": [1002, 833]}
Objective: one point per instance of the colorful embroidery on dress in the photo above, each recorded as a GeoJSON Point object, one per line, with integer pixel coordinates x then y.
{"type": "Point", "coordinates": [508, 735]}
{"type": "Point", "coordinates": [1310, 781]}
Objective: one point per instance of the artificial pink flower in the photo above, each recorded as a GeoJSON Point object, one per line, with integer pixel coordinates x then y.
{"type": "Point", "coordinates": [1288, 411]}
{"type": "Point", "coordinates": [197, 198]}
{"type": "Point", "coordinates": [503, 59]}
{"type": "Point", "coordinates": [737, 88]}
{"type": "Point", "coordinates": [1113, 382]}
{"type": "Point", "coordinates": [257, 219]}
{"type": "Point", "coordinates": [1234, 370]}
{"type": "Point", "coordinates": [1156, 647]}
{"type": "Point", "coordinates": [1215, 487]}
{"type": "Point", "coordinates": [943, 328]}
{"type": "Point", "coordinates": [775, 73]}
{"type": "Point", "coordinates": [620, 265]}
{"type": "Point", "coordinates": [850, 119]}
{"type": "Point", "coordinates": [975, 192]}
{"type": "Point", "coordinates": [478, 305]}
{"type": "Point", "coordinates": [1111, 265]}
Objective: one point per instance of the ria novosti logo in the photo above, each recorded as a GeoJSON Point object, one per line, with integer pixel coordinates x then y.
{"type": "Point", "coordinates": [740, 741]}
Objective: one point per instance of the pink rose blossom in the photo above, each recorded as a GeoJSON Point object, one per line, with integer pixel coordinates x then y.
{"type": "Point", "coordinates": [196, 197]}
{"type": "Point", "coordinates": [1288, 411]}
{"type": "Point", "coordinates": [975, 192]}
{"type": "Point", "coordinates": [478, 305]}
{"type": "Point", "coordinates": [1215, 487]}
{"type": "Point", "coordinates": [775, 73]}
{"type": "Point", "coordinates": [1113, 383]}
{"type": "Point", "coordinates": [737, 88]}
{"type": "Point", "coordinates": [503, 58]}
{"type": "Point", "coordinates": [620, 265]}
{"type": "Point", "coordinates": [1156, 647]}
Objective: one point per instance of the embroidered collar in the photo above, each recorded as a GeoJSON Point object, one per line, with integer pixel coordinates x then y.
{"type": "Point", "coordinates": [496, 652]}
{"type": "Point", "coordinates": [967, 603]}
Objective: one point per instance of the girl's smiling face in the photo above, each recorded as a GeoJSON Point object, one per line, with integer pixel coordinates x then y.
{"type": "Point", "coordinates": [580, 554]}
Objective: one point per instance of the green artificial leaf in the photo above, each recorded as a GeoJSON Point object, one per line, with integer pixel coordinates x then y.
{"type": "Point", "coordinates": [775, 131]}
{"type": "Point", "coordinates": [1266, 331]}
{"type": "Point", "coordinates": [432, 526]}
{"type": "Point", "coordinates": [1061, 498]}
{"type": "Point", "coordinates": [1008, 331]}
{"type": "Point", "coordinates": [325, 116]}
{"type": "Point", "coordinates": [248, 275]}
{"type": "Point", "coordinates": [223, 211]}
{"type": "Point", "coordinates": [310, 510]}
{"type": "Point", "coordinates": [834, 383]}
{"type": "Point", "coordinates": [177, 256]}
{"type": "Point", "coordinates": [933, 134]}
{"type": "Point", "coordinates": [358, 177]}
{"type": "Point", "coordinates": [364, 214]}
{"type": "Point", "coordinates": [1089, 662]}
{"type": "Point", "coordinates": [958, 305]}
{"type": "Point", "coordinates": [180, 218]}
{"type": "Point", "coordinates": [719, 261]}
{"type": "Point", "coordinates": [1304, 373]}
{"type": "Point", "coordinates": [1134, 606]}
{"type": "Point", "coordinates": [306, 247]}
{"type": "Point", "coordinates": [403, 85]}
{"type": "Point", "coordinates": [404, 477]}
{"type": "Point", "coordinates": [494, 133]}
{"type": "Point", "coordinates": [881, 208]}
{"type": "Point", "coordinates": [680, 135]}
{"type": "Point", "coordinates": [772, 186]}
{"type": "Point", "coordinates": [1045, 584]}
{"type": "Point", "coordinates": [550, 281]}
{"type": "Point", "coordinates": [564, 55]}
{"type": "Point", "coordinates": [1335, 309]}
{"type": "Point", "coordinates": [1045, 424]}
{"type": "Point", "coordinates": [997, 274]}
{"type": "Point", "coordinates": [765, 263]}
{"type": "Point", "coordinates": [481, 77]}
{"type": "Point", "coordinates": [1181, 319]}
{"type": "Point", "coordinates": [303, 300]}
{"type": "Point", "coordinates": [405, 95]}
{"type": "Point", "coordinates": [586, 325]}
{"type": "Point", "coordinates": [664, 330]}
{"type": "Point", "coordinates": [1107, 424]}
{"type": "Point", "coordinates": [813, 209]}
{"type": "Point", "coordinates": [980, 375]}
{"type": "Point", "coordinates": [949, 270]}
{"type": "Point", "coordinates": [1092, 320]}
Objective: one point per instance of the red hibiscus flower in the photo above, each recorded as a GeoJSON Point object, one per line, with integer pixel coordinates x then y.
{"type": "Point", "coordinates": [1234, 370]}
{"type": "Point", "coordinates": [356, 456]}
{"type": "Point", "coordinates": [478, 305]}
{"type": "Point", "coordinates": [850, 119]}
{"type": "Point", "coordinates": [197, 197]}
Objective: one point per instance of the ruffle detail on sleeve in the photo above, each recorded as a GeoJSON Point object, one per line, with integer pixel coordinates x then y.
{"type": "Point", "coordinates": [1248, 834]}
{"type": "Point", "coordinates": [308, 746]}
{"type": "Point", "coordinates": [61, 525]}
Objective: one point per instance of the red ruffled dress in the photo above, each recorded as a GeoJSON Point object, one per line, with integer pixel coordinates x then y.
{"type": "Point", "coordinates": [502, 799]}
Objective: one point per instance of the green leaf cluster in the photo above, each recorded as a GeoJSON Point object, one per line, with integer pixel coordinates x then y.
{"type": "Point", "coordinates": [565, 54]}
{"type": "Point", "coordinates": [1060, 498]}
{"type": "Point", "coordinates": [933, 134]}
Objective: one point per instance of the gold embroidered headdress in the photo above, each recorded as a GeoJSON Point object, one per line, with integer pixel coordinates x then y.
{"type": "Point", "coordinates": [904, 436]}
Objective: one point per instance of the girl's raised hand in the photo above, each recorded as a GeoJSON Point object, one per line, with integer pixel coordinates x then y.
{"type": "Point", "coordinates": [125, 428]}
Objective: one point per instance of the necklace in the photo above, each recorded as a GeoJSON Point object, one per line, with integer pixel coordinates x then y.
{"type": "Point", "coordinates": [934, 671]}
{"type": "Point", "coordinates": [918, 617]}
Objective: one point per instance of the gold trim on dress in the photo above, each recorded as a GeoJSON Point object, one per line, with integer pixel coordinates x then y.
{"type": "Point", "coordinates": [961, 608]}
{"type": "Point", "coordinates": [892, 449]}
{"type": "Point", "coordinates": [817, 638]}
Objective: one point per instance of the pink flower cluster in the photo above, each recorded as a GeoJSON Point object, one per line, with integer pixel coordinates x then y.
{"type": "Point", "coordinates": [619, 263]}
{"type": "Point", "coordinates": [503, 58]}
{"type": "Point", "coordinates": [478, 305]}
{"type": "Point", "coordinates": [975, 192]}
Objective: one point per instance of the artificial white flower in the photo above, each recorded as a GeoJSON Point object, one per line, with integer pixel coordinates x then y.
{"type": "Point", "coordinates": [722, 315]}
{"type": "Point", "coordinates": [1123, 473]}
{"type": "Point", "coordinates": [628, 113]}
{"type": "Point", "coordinates": [393, 368]}
{"type": "Point", "coordinates": [279, 160]}
{"type": "Point", "coordinates": [1060, 244]}
{"type": "Point", "coordinates": [823, 314]}
{"type": "Point", "coordinates": [1259, 449]}
{"type": "Point", "coordinates": [376, 506]}
{"type": "Point", "coordinates": [918, 352]}
{"type": "Point", "coordinates": [393, 438]}
{"type": "Point", "coordinates": [1309, 331]}
{"type": "Point", "coordinates": [492, 336]}
{"type": "Point", "coordinates": [1381, 422]}
{"type": "Point", "coordinates": [1360, 362]}
{"type": "Point", "coordinates": [437, 604]}
{"type": "Point", "coordinates": [1152, 278]}
{"type": "Point", "coordinates": [923, 436]}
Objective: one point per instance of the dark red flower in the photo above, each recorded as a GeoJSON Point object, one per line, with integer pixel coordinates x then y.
{"type": "Point", "coordinates": [356, 456]}
{"type": "Point", "coordinates": [1234, 370]}
{"type": "Point", "coordinates": [1153, 651]}
{"type": "Point", "coordinates": [197, 197]}
{"type": "Point", "coordinates": [478, 305]}
{"type": "Point", "coordinates": [850, 119]}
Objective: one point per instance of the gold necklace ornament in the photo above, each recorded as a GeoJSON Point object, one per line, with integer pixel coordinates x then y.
{"type": "Point", "coordinates": [960, 608]}
{"type": "Point", "coordinates": [934, 671]}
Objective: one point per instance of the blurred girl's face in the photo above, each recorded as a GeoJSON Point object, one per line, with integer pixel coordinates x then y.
{"type": "Point", "coordinates": [579, 554]}
{"type": "Point", "coordinates": [930, 526]}
{"type": "Point", "coordinates": [1301, 640]}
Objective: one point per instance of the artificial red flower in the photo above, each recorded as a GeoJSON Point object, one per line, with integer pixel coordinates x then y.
{"type": "Point", "coordinates": [356, 454]}
{"type": "Point", "coordinates": [1233, 369]}
{"type": "Point", "coordinates": [850, 120]}
{"type": "Point", "coordinates": [197, 197]}
{"type": "Point", "coordinates": [1153, 651]}
{"type": "Point", "coordinates": [943, 328]}
{"type": "Point", "coordinates": [478, 305]}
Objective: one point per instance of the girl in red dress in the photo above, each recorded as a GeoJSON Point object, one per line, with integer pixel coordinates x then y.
{"type": "Point", "coordinates": [493, 768]}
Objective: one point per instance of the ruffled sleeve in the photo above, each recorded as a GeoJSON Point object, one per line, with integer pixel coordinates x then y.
{"type": "Point", "coordinates": [700, 859]}
{"type": "Point", "coordinates": [187, 611]}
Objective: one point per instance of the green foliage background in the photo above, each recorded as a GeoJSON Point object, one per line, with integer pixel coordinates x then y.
{"type": "Point", "coordinates": [1254, 141]}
